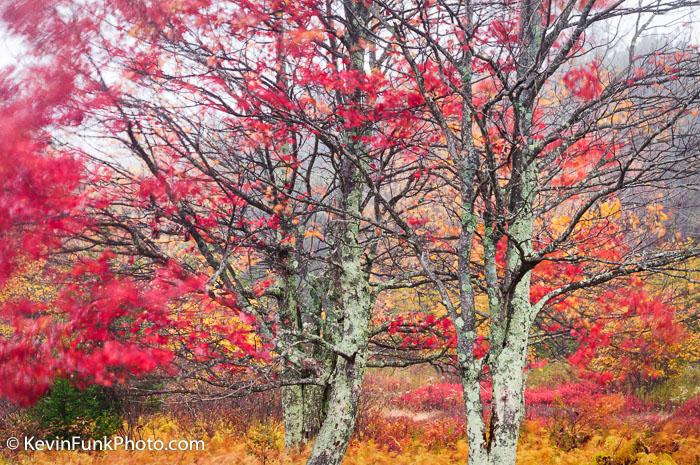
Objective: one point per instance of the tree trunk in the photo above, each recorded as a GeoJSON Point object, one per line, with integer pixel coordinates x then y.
{"type": "Point", "coordinates": [348, 374]}
{"type": "Point", "coordinates": [508, 403]}
{"type": "Point", "coordinates": [351, 320]}
{"type": "Point", "coordinates": [352, 317]}
{"type": "Point", "coordinates": [303, 412]}
{"type": "Point", "coordinates": [314, 400]}
{"type": "Point", "coordinates": [304, 405]}
{"type": "Point", "coordinates": [293, 415]}
{"type": "Point", "coordinates": [510, 354]}
{"type": "Point", "coordinates": [334, 436]}
{"type": "Point", "coordinates": [476, 439]}
{"type": "Point", "coordinates": [515, 313]}
{"type": "Point", "coordinates": [508, 406]}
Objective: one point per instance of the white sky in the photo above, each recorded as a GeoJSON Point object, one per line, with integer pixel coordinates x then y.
{"type": "Point", "coordinates": [682, 24]}
{"type": "Point", "coordinates": [10, 47]}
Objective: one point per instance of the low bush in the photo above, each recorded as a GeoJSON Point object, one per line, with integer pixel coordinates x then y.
{"type": "Point", "coordinates": [67, 411]}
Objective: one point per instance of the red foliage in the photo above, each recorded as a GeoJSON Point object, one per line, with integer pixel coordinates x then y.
{"type": "Point", "coordinates": [584, 81]}
{"type": "Point", "coordinates": [103, 328]}
{"type": "Point", "coordinates": [37, 186]}
{"type": "Point", "coordinates": [442, 396]}
{"type": "Point", "coordinates": [686, 418]}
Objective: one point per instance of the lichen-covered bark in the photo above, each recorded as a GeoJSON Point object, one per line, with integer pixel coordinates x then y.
{"type": "Point", "coordinates": [303, 412]}
{"type": "Point", "coordinates": [315, 396]}
{"type": "Point", "coordinates": [334, 436]}
{"type": "Point", "coordinates": [303, 405]}
{"type": "Point", "coordinates": [508, 394]}
{"type": "Point", "coordinates": [512, 324]}
{"type": "Point", "coordinates": [350, 286]}
{"type": "Point", "coordinates": [465, 319]}
{"type": "Point", "coordinates": [510, 313]}
{"type": "Point", "coordinates": [292, 415]}
{"type": "Point", "coordinates": [353, 307]}
{"type": "Point", "coordinates": [476, 438]}
{"type": "Point", "coordinates": [288, 323]}
{"type": "Point", "coordinates": [314, 410]}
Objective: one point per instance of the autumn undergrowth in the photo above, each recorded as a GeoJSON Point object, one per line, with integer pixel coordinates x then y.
{"type": "Point", "coordinates": [414, 418]}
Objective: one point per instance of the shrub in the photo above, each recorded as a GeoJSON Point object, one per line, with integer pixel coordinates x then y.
{"type": "Point", "coordinates": [14, 422]}
{"type": "Point", "coordinates": [265, 442]}
{"type": "Point", "coordinates": [442, 396]}
{"type": "Point", "coordinates": [67, 411]}
{"type": "Point", "coordinates": [687, 417]}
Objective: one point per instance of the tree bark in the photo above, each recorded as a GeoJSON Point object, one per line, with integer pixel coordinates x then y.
{"type": "Point", "coordinates": [303, 412]}
{"type": "Point", "coordinates": [334, 435]}
{"type": "Point", "coordinates": [354, 303]}
{"type": "Point", "coordinates": [303, 405]}
{"type": "Point", "coordinates": [476, 438]}
{"type": "Point", "coordinates": [508, 392]}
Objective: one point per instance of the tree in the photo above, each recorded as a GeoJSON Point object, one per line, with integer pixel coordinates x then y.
{"type": "Point", "coordinates": [223, 163]}
{"type": "Point", "coordinates": [533, 132]}
{"type": "Point", "coordinates": [289, 164]}
{"type": "Point", "coordinates": [38, 192]}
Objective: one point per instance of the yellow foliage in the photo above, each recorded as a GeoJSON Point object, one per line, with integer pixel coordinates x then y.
{"type": "Point", "coordinates": [314, 233]}
{"type": "Point", "coordinates": [265, 442]}
{"type": "Point", "coordinates": [262, 445]}
{"type": "Point", "coordinates": [27, 283]}
{"type": "Point", "coordinates": [560, 223]}
{"type": "Point", "coordinates": [610, 209]}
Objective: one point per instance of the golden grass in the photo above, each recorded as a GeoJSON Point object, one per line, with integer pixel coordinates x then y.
{"type": "Point", "coordinates": [262, 445]}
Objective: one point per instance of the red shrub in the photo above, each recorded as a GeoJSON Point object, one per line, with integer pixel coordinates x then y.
{"type": "Point", "coordinates": [686, 418]}
{"type": "Point", "coordinates": [443, 396]}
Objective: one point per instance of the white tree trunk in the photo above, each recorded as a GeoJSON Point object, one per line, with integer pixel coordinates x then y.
{"type": "Point", "coordinates": [508, 403]}
{"type": "Point", "coordinates": [476, 439]}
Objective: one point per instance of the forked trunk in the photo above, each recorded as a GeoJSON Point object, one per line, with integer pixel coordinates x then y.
{"type": "Point", "coordinates": [352, 307]}
{"type": "Point", "coordinates": [349, 370]}
{"type": "Point", "coordinates": [334, 436]}
{"type": "Point", "coordinates": [499, 446]}
{"type": "Point", "coordinates": [303, 411]}
{"type": "Point", "coordinates": [351, 342]}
